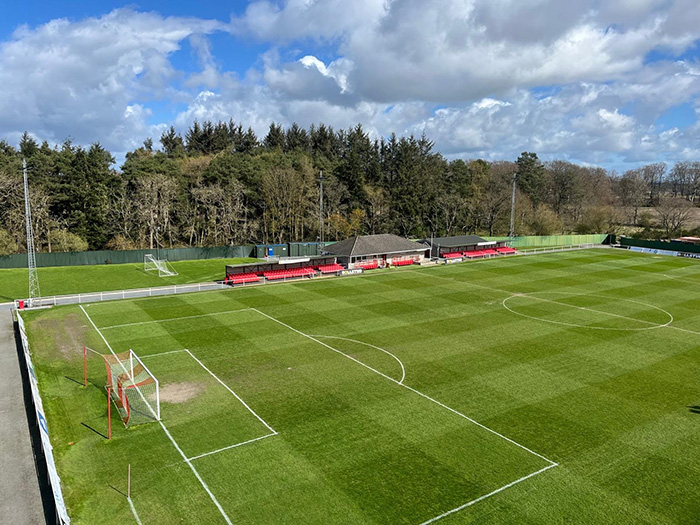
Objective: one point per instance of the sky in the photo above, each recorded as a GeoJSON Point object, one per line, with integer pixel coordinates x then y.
{"type": "Point", "coordinates": [604, 83]}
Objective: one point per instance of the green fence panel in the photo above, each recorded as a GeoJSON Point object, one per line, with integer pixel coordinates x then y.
{"type": "Point", "coordinates": [672, 246]}
{"type": "Point", "coordinates": [126, 256]}
{"type": "Point", "coordinates": [305, 249]}
{"type": "Point", "coordinates": [532, 241]}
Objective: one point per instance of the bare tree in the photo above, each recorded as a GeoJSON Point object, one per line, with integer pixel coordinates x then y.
{"type": "Point", "coordinates": [632, 192]}
{"type": "Point", "coordinates": [673, 213]}
{"type": "Point", "coordinates": [155, 199]}
{"type": "Point", "coordinates": [653, 175]}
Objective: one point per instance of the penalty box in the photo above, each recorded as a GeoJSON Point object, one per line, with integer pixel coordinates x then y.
{"type": "Point", "coordinates": [368, 446]}
{"type": "Point", "coordinates": [202, 413]}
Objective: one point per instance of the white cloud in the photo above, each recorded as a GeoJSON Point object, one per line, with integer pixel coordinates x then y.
{"type": "Point", "coordinates": [82, 79]}
{"type": "Point", "coordinates": [482, 78]}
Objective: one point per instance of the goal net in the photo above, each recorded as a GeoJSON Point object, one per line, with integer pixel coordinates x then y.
{"type": "Point", "coordinates": [133, 388]}
{"type": "Point", "coordinates": [162, 266]}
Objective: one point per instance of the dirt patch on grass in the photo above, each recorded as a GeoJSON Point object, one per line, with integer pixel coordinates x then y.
{"type": "Point", "coordinates": [180, 392]}
{"type": "Point", "coordinates": [68, 334]}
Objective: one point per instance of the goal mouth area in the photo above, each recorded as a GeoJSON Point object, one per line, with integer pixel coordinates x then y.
{"type": "Point", "coordinates": [133, 388]}
{"type": "Point", "coordinates": [162, 266]}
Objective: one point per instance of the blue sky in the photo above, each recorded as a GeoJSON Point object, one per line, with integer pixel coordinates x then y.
{"type": "Point", "coordinates": [614, 84]}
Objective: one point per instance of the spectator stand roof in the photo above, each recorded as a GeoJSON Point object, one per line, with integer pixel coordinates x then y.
{"type": "Point", "coordinates": [369, 245]}
{"type": "Point", "coordinates": [279, 264]}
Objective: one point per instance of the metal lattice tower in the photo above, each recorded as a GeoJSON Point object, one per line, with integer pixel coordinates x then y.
{"type": "Point", "coordinates": [34, 292]}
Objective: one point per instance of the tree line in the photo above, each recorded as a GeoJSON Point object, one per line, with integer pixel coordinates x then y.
{"type": "Point", "coordinates": [220, 184]}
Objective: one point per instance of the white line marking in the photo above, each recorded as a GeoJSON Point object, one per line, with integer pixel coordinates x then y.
{"type": "Point", "coordinates": [163, 353]}
{"type": "Point", "coordinates": [174, 319]}
{"type": "Point", "coordinates": [236, 395]}
{"type": "Point", "coordinates": [133, 510]}
{"type": "Point", "coordinates": [194, 470]}
{"type": "Point", "coordinates": [403, 370]}
{"type": "Point", "coordinates": [532, 296]}
{"type": "Point", "coordinates": [233, 446]}
{"type": "Point", "coordinates": [552, 463]}
{"type": "Point", "coordinates": [481, 498]}
{"type": "Point", "coordinates": [172, 440]}
{"type": "Point", "coordinates": [667, 325]}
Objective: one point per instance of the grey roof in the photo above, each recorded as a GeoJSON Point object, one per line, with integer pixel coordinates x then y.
{"type": "Point", "coordinates": [457, 240]}
{"type": "Point", "coordinates": [374, 245]}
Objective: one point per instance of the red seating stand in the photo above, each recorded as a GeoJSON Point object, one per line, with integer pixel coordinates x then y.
{"type": "Point", "coordinates": [331, 268]}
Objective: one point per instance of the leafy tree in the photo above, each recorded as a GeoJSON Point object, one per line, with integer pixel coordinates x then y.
{"type": "Point", "coordinates": [274, 140]}
{"type": "Point", "coordinates": [8, 245]}
{"type": "Point", "coordinates": [172, 143]}
{"type": "Point", "coordinates": [65, 241]}
{"type": "Point", "coordinates": [532, 178]}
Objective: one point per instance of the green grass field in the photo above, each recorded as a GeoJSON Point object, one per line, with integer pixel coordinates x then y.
{"type": "Point", "coordinates": [63, 280]}
{"type": "Point", "coordinates": [557, 388]}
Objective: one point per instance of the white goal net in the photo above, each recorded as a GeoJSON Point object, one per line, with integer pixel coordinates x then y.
{"type": "Point", "coordinates": [134, 390]}
{"type": "Point", "coordinates": [162, 266]}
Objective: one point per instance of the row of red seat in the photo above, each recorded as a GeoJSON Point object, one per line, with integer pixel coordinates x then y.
{"type": "Point", "coordinates": [330, 268]}
{"type": "Point", "coordinates": [368, 265]}
{"type": "Point", "coordinates": [402, 262]}
{"type": "Point", "coordinates": [471, 254]}
{"type": "Point", "coordinates": [241, 278]}
{"type": "Point", "coordinates": [293, 272]}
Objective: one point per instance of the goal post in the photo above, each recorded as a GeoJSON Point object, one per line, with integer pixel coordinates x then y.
{"type": "Point", "coordinates": [133, 388]}
{"type": "Point", "coordinates": [162, 266]}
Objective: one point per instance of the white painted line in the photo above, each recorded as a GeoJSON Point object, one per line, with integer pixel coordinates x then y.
{"type": "Point", "coordinates": [175, 319]}
{"type": "Point", "coordinates": [233, 446]}
{"type": "Point", "coordinates": [172, 440]}
{"type": "Point", "coordinates": [403, 370]}
{"type": "Point", "coordinates": [552, 463]}
{"type": "Point", "coordinates": [481, 498]}
{"type": "Point", "coordinates": [194, 470]}
{"type": "Point", "coordinates": [236, 395]}
{"type": "Point", "coordinates": [163, 353]}
{"type": "Point", "coordinates": [667, 325]}
{"type": "Point", "coordinates": [133, 510]}
{"type": "Point", "coordinates": [532, 296]}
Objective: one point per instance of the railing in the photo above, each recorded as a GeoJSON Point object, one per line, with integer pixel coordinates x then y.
{"type": "Point", "coordinates": [94, 297]}
{"type": "Point", "coordinates": [551, 249]}
{"type": "Point", "coordinates": [122, 294]}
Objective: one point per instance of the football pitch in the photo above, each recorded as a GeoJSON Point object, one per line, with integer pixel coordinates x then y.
{"type": "Point", "coordinates": [542, 389]}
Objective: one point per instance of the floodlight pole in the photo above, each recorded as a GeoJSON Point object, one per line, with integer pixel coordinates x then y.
{"type": "Point", "coordinates": [321, 178]}
{"type": "Point", "coordinates": [511, 234]}
{"type": "Point", "coordinates": [34, 292]}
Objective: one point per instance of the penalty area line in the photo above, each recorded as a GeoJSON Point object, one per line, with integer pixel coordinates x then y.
{"type": "Point", "coordinates": [233, 446]}
{"type": "Point", "coordinates": [170, 319]}
{"type": "Point", "coordinates": [232, 392]}
{"type": "Point", "coordinates": [492, 493]}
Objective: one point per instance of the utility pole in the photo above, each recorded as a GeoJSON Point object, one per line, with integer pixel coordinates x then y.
{"type": "Point", "coordinates": [34, 292]}
{"type": "Point", "coordinates": [511, 234]}
{"type": "Point", "coordinates": [321, 178]}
